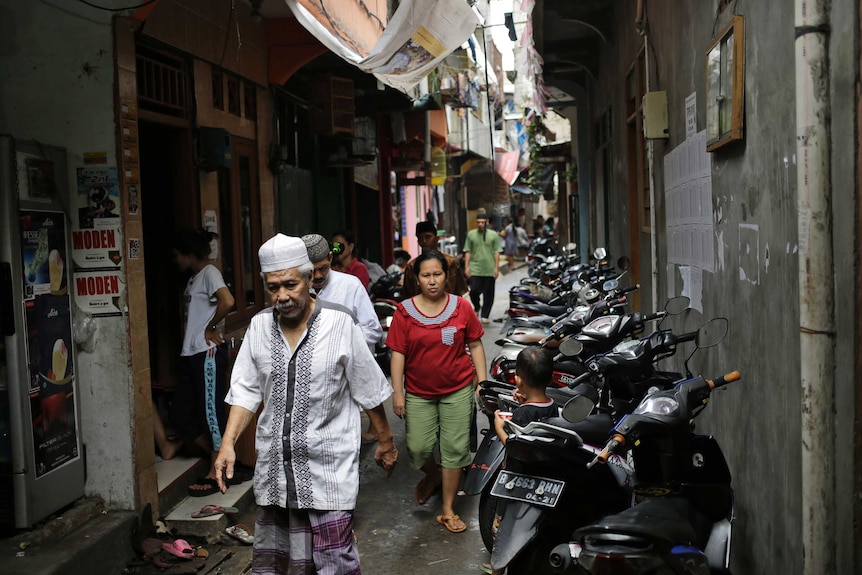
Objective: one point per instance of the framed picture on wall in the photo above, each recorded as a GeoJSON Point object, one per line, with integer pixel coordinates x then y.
{"type": "Point", "coordinates": [725, 85]}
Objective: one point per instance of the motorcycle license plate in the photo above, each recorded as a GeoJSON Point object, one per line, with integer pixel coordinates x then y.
{"type": "Point", "coordinates": [528, 488]}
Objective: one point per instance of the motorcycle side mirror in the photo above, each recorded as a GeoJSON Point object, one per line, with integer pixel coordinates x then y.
{"type": "Point", "coordinates": [600, 253]}
{"type": "Point", "coordinates": [570, 247]}
{"type": "Point", "coordinates": [677, 305]}
{"type": "Point", "coordinates": [624, 263]}
{"type": "Point", "coordinates": [711, 333]}
{"type": "Point", "coordinates": [610, 286]}
{"type": "Point", "coordinates": [581, 405]}
{"type": "Point", "coordinates": [571, 347]}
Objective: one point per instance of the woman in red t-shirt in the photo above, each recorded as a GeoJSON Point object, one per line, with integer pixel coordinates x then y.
{"type": "Point", "coordinates": [434, 378]}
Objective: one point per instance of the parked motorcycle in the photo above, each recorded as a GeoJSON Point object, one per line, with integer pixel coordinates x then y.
{"type": "Point", "coordinates": [683, 523]}
{"type": "Point", "coordinates": [547, 485]}
{"type": "Point", "coordinates": [386, 292]}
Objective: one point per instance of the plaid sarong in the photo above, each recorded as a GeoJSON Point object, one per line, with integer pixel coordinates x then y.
{"type": "Point", "coordinates": [304, 542]}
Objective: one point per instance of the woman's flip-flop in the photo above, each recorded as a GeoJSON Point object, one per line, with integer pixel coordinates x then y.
{"type": "Point", "coordinates": [452, 522]}
{"type": "Point", "coordinates": [179, 548]}
{"type": "Point", "coordinates": [241, 533]}
{"type": "Point", "coordinates": [210, 510]}
{"type": "Point", "coordinates": [208, 485]}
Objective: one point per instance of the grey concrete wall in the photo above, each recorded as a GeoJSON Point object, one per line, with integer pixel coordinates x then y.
{"type": "Point", "coordinates": [56, 86]}
{"type": "Point", "coordinates": [757, 421]}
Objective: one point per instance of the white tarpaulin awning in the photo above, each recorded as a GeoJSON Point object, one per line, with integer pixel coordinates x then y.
{"type": "Point", "coordinates": [420, 34]}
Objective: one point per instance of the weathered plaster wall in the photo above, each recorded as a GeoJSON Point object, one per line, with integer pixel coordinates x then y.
{"type": "Point", "coordinates": [56, 86]}
{"type": "Point", "coordinates": [755, 283]}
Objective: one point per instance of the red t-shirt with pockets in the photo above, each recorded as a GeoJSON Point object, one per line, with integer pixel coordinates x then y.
{"type": "Point", "coordinates": [434, 348]}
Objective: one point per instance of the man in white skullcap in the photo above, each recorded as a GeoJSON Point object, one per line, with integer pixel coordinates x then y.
{"type": "Point", "coordinates": [341, 288]}
{"type": "Point", "coordinates": [306, 362]}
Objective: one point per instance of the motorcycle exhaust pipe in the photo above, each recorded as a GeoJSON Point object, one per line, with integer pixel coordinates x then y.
{"type": "Point", "coordinates": [564, 556]}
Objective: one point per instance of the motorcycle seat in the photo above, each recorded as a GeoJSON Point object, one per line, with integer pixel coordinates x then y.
{"type": "Point", "coordinates": [594, 430]}
{"type": "Point", "coordinates": [663, 520]}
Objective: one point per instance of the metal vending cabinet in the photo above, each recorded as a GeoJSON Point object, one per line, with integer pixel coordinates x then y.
{"type": "Point", "coordinates": [41, 464]}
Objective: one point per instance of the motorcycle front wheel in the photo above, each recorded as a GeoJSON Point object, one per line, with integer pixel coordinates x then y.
{"type": "Point", "coordinates": [487, 512]}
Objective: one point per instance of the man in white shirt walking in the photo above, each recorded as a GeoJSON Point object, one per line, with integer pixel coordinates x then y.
{"type": "Point", "coordinates": [304, 361]}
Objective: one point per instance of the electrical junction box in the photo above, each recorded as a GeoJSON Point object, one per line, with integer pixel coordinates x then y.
{"type": "Point", "coordinates": [213, 148]}
{"type": "Point", "coordinates": [655, 115]}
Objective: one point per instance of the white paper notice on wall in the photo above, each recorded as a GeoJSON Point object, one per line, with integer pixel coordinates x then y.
{"type": "Point", "coordinates": [691, 115]}
{"type": "Point", "coordinates": [211, 225]}
{"type": "Point", "coordinates": [692, 286]}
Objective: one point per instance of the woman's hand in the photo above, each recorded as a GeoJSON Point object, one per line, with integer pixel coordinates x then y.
{"type": "Point", "coordinates": [399, 407]}
{"type": "Point", "coordinates": [213, 336]}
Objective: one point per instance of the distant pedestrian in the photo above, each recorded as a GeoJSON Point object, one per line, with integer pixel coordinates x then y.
{"type": "Point", "coordinates": [346, 259]}
{"type": "Point", "coordinates": [482, 262]}
{"type": "Point", "coordinates": [510, 239]}
{"type": "Point", "coordinates": [426, 235]}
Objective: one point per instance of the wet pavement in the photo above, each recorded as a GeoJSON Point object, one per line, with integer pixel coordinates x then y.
{"type": "Point", "coordinates": [398, 536]}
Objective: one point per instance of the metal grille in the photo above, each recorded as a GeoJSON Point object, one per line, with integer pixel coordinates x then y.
{"type": "Point", "coordinates": [162, 83]}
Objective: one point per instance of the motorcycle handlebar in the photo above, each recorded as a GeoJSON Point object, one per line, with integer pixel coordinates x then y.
{"type": "Point", "coordinates": [686, 337]}
{"type": "Point", "coordinates": [580, 379]}
{"type": "Point", "coordinates": [723, 380]}
{"type": "Point", "coordinates": [655, 316]}
{"type": "Point", "coordinates": [610, 447]}
{"type": "Point", "coordinates": [630, 288]}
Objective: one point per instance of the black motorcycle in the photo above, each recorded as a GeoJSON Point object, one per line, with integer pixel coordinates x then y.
{"type": "Point", "coordinates": [682, 524]}
{"type": "Point", "coordinates": [549, 459]}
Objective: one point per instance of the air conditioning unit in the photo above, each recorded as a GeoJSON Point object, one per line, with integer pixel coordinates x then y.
{"type": "Point", "coordinates": [332, 107]}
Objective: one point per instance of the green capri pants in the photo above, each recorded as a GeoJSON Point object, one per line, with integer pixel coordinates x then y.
{"type": "Point", "coordinates": [446, 418]}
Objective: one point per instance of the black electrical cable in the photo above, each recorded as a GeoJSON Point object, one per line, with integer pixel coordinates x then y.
{"type": "Point", "coordinates": [91, 5]}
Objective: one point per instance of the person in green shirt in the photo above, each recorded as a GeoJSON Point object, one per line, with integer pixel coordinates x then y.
{"type": "Point", "coordinates": [482, 262]}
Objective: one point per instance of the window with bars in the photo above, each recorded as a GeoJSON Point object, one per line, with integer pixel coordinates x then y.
{"type": "Point", "coordinates": [218, 89]}
{"type": "Point", "coordinates": [163, 85]}
{"type": "Point", "coordinates": [250, 100]}
{"type": "Point", "coordinates": [234, 105]}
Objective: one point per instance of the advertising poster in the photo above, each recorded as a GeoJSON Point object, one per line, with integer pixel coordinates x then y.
{"type": "Point", "coordinates": [99, 194]}
{"type": "Point", "coordinates": [48, 321]}
{"type": "Point", "coordinates": [97, 248]}
{"type": "Point", "coordinates": [99, 292]}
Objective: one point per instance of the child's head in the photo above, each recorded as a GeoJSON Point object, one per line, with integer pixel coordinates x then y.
{"type": "Point", "coordinates": [533, 369]}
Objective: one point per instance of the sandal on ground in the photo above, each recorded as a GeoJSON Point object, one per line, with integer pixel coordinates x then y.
{"type": "Point", "coordinates": [425, 489]}
{"type": "Point", "coordinates": [486, 568]}
{"type": "Point", "coordinates": [210, 486]}
{"type": "Point", "coordinates": [241, 533]}
{"type": "Point", "coordinates": [179, 548]}
{"type": "Point", "coordinates": [210, 510]}
{"type": "Point", "coordinates": [452, 522]}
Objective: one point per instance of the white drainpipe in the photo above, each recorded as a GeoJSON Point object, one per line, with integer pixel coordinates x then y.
{"type": "Point", "coordinates": [816, 289]}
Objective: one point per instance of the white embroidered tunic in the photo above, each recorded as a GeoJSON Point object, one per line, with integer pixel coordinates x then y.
{"type": "Point", "coordinates": [345, 289]}
{"type": "Point", "coordinates": [308, 433]}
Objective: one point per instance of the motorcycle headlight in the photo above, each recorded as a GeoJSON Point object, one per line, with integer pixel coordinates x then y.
{"type": "Point", "coordinates": [661, 405]}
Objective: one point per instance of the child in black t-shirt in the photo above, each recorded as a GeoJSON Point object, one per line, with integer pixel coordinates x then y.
{"type": "Point", "coordinates": [533, 369]}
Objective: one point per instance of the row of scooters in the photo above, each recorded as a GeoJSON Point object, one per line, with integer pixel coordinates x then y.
{"type": "Point", "coordinates": [619, 482]}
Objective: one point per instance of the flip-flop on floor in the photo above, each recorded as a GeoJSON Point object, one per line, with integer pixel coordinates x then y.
{"type": "Point", "coordinates": [202, 487]}
{"type": "Point", "coordinates": [452, 522]}
{"type": "Point", "coordinates": [241, 533]}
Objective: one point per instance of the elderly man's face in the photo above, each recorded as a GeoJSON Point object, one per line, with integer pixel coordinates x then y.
{"type": "Point", "coordinates": [289, 294]}
{"type": "Point", "coordinates": [427, 240]}
{"type": "Point", "coordinates": [320, 275]}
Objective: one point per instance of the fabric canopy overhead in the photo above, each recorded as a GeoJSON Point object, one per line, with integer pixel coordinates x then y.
{"type": "Point", "coordinates": [419, 36]}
